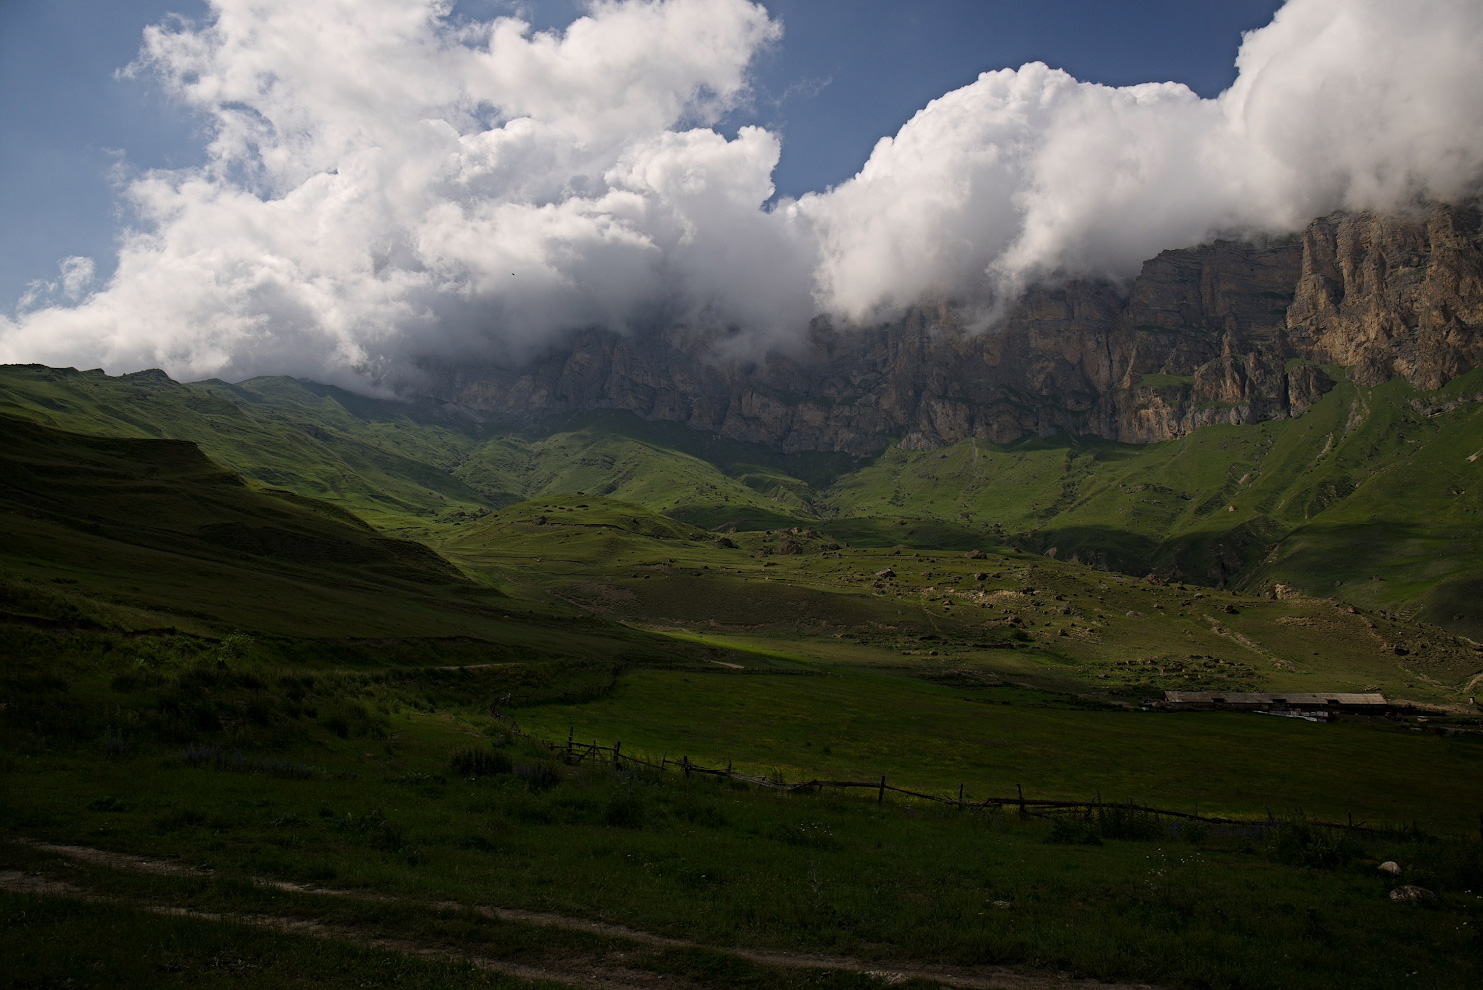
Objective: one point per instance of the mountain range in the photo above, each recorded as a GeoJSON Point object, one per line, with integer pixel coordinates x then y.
{"type": "Point", "coordinates": [1229, 332]}
{"type": "Point", "coordinates": [1303, 416]}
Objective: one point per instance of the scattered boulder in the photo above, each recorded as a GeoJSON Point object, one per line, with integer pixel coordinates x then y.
{"type": "Point", "coordinates": [540, 520]}
{"type": "Point", "coordinates": [726, 543]}
{"type": "Point", "coordinates": [790, 546]}
{"type": "Point", "coordinates": [976, 555]}
{"type": "Point", "coordinates": [1231, 610]}
{"type": "Point", "coordinates": [981, 576]}
{"type": "Point", "coordinates": [885, 573]}
{"type": "Point", "coordinates": [1412, 895]}
{"type": "Point", "coordinates": [1390, 866]}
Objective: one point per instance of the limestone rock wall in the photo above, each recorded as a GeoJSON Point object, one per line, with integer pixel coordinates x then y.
{"type": "Point", "coordinates": [1227, 332]}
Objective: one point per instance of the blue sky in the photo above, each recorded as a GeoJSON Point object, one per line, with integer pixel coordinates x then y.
{"type": "Point", "coordinates": [386, 182]}
{"type": "Point", "coordinates": [846, 73]}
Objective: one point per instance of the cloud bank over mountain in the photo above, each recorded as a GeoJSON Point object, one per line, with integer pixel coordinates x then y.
{"type": "Point", "coordinates": [387, 182]}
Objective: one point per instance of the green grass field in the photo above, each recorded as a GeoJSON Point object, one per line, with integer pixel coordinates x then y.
{"type": "Point", "coordinates": [415, 851]}
{"type": "Point", "coordinates": [331, 596]}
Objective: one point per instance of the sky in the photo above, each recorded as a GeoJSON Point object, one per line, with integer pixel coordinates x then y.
{"type": "Point", "coordinates": [343, 190]}
{"type": "Point", "coordinates": [846, 73]}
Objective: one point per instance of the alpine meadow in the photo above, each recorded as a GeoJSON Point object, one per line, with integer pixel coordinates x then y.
{"type": "Point", "coordinates": [503, 519]}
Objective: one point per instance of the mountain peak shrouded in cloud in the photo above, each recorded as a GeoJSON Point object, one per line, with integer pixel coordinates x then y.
{"type": "Point", "coordinates": [385, 183]}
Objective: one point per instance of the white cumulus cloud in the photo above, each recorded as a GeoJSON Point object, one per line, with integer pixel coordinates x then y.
{"type": "Point", "coordinates": [385, 182]}
{"type": "Point", "coordinates": [1026, 173]}
{"type": "Point", "coordinates": [74, 275]}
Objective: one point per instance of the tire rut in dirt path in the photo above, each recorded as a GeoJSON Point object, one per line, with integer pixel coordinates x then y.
{"type": "Point", "coordinates": [966, 978]}
{"type": "Point", "coordinates": [585, 974]}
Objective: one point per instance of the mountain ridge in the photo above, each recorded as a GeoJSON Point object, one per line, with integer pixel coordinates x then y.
{"type": "Point", "coordinates": [1229, 332]}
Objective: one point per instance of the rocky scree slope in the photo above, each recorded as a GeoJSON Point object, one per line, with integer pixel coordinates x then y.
{"type": "Point", "coordinates": [1229, 332]}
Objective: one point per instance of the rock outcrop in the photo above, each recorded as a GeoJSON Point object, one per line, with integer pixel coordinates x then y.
{"type": "Point", "coordinates": [1226, 332]}
{"type": "Point", "coordinates": [1392, 297]}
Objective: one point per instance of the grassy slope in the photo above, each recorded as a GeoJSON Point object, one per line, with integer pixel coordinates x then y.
{"type": "Point", "coordinates": [151, 532]}
{"type": "Point", "coordinates": [146, 534]}
{"type": "Point", "coordinates": [600, 463]}
{"type": "Point", "coordinates": [1363, 483]}
{"type": "Point", "coordinates": [1008, 616]}
{"type": "Point", "coordinates": [935, 677]}
{"type": "Point", "coordinates": [413, 469]}
{"type": "Point", "coordinates": [665, 467]}
{"type": "Point", "coordinates": [1363, 480]}
{"type": "Point", "coordinates": [381, 463]}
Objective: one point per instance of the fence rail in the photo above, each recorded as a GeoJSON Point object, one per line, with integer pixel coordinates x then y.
{"type": "Point", "coordinates": [576, 753]}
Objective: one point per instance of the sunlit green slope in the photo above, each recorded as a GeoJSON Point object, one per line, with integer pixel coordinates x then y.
{"type": "Point", "coordinates": [412, 468]}
{"type": "Point", "coordinates": [372, 457]}
{"type": "Point", "coordinates": [1380, 489]}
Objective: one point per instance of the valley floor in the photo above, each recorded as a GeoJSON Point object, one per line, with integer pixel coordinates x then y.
{"type": "Point", "coordinates": [248, 737]}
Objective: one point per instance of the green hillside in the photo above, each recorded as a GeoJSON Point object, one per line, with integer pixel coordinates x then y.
{"type": "Point", "coordinates": [372, 457]}
{"type": "Point", "coordinates": [1371, 488]}
{"type": "Point", "coordinates": [414, 468]}
{"type": "Point", "coordinates": [150, 535]}
{"type": "Point", "coordinates": [153, 533]}
{"type": "Point", "coordinates": [618, 456]}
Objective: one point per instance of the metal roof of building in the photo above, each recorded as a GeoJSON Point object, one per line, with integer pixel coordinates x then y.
{"type": "Point", "coordinates": [1290, 698]}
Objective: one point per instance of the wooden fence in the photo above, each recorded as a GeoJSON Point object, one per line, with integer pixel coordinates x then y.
{"type": "Point", "coordinates": [577, 753]}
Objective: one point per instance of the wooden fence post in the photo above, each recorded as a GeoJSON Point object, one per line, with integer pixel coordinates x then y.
{"type": "Point", "coordinates": [569, 743]}
{"type": "Point", "coordinates": [881, 796]}
{"type": "Point", "coordinates": [1021, 789]}
{"type": "Point", "coordinates": [960, 797]}
{"type": "Point", "coordinates": [616, 745]}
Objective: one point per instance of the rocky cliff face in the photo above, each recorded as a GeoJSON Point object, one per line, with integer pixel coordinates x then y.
{"type": "Point", "coordinates": [1227, 332]}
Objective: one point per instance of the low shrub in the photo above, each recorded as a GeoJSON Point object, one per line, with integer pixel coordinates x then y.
{"type": "Point", "coordinates": [1074, 830]}
{"type": "Point", "coordinates": [1299, 843]}
{"type": "Point", "coordinates": [480, 763]}
{"type": "Point", "coordinates": [1117, 821]}
{"type": "Point", "coordinates": [537, 776]}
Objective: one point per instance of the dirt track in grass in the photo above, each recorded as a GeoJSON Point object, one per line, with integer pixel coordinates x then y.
{"type": "Point", "coordinates": [605, 972]}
